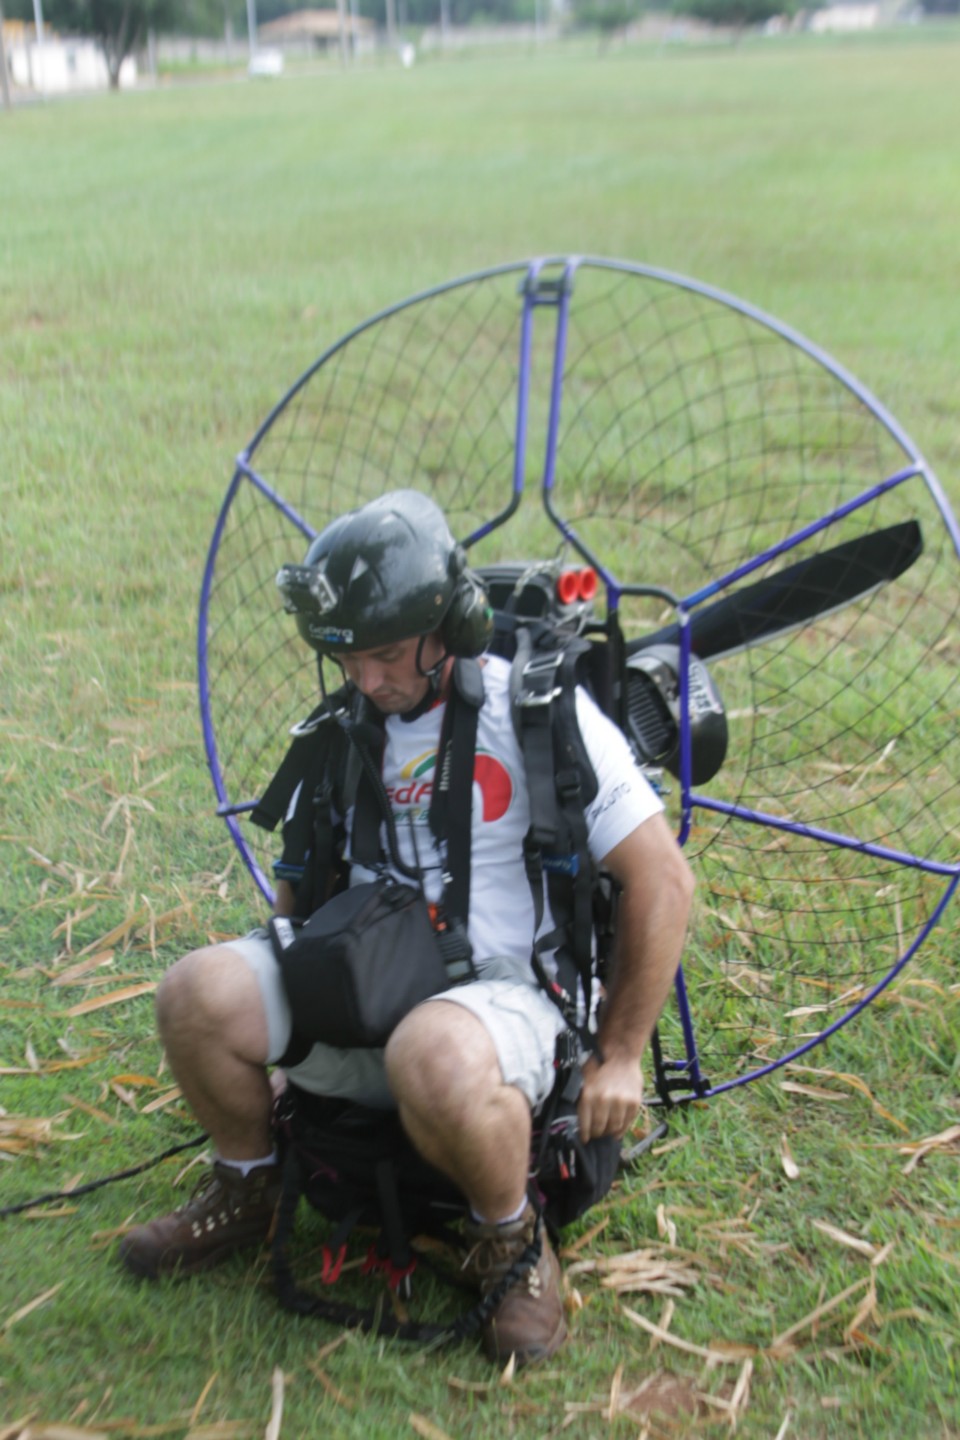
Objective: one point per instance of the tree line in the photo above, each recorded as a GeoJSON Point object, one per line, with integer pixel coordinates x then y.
{"type": "Point", "coordinates": [121, 27]}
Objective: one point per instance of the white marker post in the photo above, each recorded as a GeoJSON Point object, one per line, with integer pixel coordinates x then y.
{"type": "Point", "coordinates": [38, 21]}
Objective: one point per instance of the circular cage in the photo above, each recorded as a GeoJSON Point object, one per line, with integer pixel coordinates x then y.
{"type": "Point", "coordinates": [740, 495]}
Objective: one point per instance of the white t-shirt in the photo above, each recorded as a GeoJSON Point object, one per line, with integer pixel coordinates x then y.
{"type": "Point", "coordinates": [501, 905]}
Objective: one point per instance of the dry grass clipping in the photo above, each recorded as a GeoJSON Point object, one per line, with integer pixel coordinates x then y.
{"type": "Point", "coordinates": [656, 1270]}
{"type": "Point", "coordinates": [920, 1149]}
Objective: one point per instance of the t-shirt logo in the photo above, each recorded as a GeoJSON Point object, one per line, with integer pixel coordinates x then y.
{"type": "Point", "coordinates": [410, 796]}
{"type": "Point", "coordinates": [415, 785]}
{"type": "Point", "coordinates": [496, 785]}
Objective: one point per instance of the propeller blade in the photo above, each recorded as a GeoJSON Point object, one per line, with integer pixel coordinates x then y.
{"type": "Point", "coordinates": [793, 596]}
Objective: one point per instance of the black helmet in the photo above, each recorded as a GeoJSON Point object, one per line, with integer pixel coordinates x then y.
{"type": "Point", "coordinates": [386, 572]}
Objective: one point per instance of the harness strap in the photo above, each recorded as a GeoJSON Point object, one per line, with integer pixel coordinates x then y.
{"type": "Point", "coordinates": [301, 795]}
{"type": "Point", "coordinates": [534, 711]}
{"type": "Point", "coordinates": [304, 761]}
{"type": "Point", "coordinates": [372, 806]}
{"type": "Point", "coordinates": [396, 1243]}
{"type": "Point", "coordinates": [563, 996]}
{"type": "Point", "coordinates": [561, 783]}
{"type": "Point", "coordinates": [451, 804]}
{"type": "Point", "coordinates": [365, 847]}
{"type": "Point", "coordinates": [570, 873]}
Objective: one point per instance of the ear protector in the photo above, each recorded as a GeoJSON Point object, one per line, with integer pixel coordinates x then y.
{"type": "Point", "coordinates": [468, 624]}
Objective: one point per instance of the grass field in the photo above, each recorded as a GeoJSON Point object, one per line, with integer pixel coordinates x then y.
{"type": "Point", "coordinates": [169, 262]}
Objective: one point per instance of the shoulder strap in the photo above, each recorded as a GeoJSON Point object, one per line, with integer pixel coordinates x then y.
{"type": "Point", "coordinates": [311, 839]}
{"type": "Point", "coordinates": [561, 784]}
{"type": "Point", "coordinates": [451, 805]}
{"type": "Point", "coordinates": [306, 757]}
{"type": "Point", "coordinates": [363, 784]}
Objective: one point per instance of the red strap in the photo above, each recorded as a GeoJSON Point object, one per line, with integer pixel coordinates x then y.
{"type": "Point", "coordinates": [395, 1274]}
{"type": "Point", "coordinates": [332, 1265]}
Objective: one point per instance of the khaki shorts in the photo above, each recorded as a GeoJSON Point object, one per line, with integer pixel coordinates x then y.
{"type": "Point", "coordinates": [521, 1021]}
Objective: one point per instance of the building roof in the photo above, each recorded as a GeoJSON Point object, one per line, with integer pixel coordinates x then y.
{"type": "Point", "coordinates": [313, 24]}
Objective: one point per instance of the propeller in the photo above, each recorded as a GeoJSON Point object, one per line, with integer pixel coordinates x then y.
{"type": "Point", "coordinates": [796, 595]}
{"type": "Point", "coordinates": [758, 612]}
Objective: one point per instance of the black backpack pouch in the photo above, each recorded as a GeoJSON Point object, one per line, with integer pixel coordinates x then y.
{"type": "Point", "coordinates": [355, 1166]}
{"type": "Point", "coordinates": [339, 1146]}
{"type": "Point", "coordinates": [572, 1174]}
{"type": "Point", "coordinates": [359, 964]}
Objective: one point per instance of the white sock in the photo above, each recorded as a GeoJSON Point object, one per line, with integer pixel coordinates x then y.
{"type": "Point", "coordinates": [245, 1166]}
{"type": "Point", "coordinates": [505, 1220]}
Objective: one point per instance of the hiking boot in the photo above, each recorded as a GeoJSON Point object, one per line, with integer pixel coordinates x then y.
{"type": "Point", "coordinates": [226, 1212]}
{"type": "Point", "coordinates": [529, 1321]}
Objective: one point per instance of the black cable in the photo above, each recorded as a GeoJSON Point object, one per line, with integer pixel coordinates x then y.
{"type": "Point", "coordinates": [99, 1184]}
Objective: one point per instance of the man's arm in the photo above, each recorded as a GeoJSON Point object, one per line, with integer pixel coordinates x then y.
{"type": "Point", "coordinates": [283, 900]}
{"type": "Point", "coordinates": [652, 910]}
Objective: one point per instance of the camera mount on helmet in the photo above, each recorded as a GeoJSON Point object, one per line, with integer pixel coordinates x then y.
{"type": "Point", "coordinates": [306, 590]}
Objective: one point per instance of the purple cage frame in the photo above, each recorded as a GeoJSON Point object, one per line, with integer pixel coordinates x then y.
{"type": "Point", "coordinates": [536, 290]}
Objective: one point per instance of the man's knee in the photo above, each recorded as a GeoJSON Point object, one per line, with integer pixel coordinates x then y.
{"type": "Point", "coordinates": [209, 991]}
{"type": "Point", "coordinates": [181, 991]}
{"type": "Point", "coordinates": [439, 1055]}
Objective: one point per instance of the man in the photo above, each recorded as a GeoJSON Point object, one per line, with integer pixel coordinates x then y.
{"type": "Point", "coordinates": [387, 593]}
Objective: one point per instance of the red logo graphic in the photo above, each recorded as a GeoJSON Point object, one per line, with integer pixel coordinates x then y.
{"type": "Point", "coordinates": [495, 784]}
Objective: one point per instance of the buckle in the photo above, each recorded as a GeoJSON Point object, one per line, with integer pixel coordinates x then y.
{"type": "Point", "coordinates": [568, 782]}
{"type": "Point", "coordinates": [567, 1052]}
{"type": "Point", "coordinates": [539, 674]}
{"type": "Point", "coordinates": [314, 721]}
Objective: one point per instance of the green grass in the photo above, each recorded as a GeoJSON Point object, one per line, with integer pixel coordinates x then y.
{"type": "Point", "coordinates": [169, 262]}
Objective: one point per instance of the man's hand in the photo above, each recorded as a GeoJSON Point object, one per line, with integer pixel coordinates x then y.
{"type": "Point", "coordinates": [611, 1096]}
